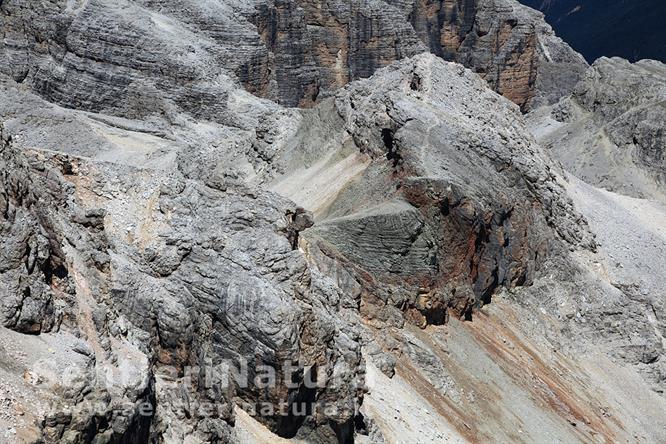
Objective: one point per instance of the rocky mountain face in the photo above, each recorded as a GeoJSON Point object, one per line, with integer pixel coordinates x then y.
{"type": "Point", "coordinates": [450, 245]}
{"type": "Point", "coordinates": [293, 52]}
{"type": "Point", "coordinates": [186, 258]}
{"type": "Point", "coordinates": [610, 131]}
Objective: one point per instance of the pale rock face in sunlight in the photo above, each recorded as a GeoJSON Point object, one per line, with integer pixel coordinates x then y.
{"type": "Point", "coordinates": [315, 221]}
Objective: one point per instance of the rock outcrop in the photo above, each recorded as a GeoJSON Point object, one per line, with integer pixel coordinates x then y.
{"type": "Point", "coordinates": [188, 270]}
{"type": "Point", "coordinates": [425, 215]}
{"type": "Point", "coordinates": [33, 263]}
{"type": "Point", "coordinates": [187, 293]}
{"type": "Point", "coordinates": [54, 263]}
{"type": "Point", "coordinates": [508, 45]}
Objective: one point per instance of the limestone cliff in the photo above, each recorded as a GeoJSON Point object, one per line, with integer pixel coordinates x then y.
{"type": "Point", "coordinates": [186, 259]}
{"type": "Point", "coordinates": [293, 51]}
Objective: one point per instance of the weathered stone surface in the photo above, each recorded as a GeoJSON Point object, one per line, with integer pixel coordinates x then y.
{"type": "Point", "coordinates": [208, 287]}
{"type": "Point", "coordinates": [175, 223]}
{"type": "Point", "coordinates": [34, 272]}
{"type": "Point", "coordinates": [610, 132]}
{"type": "Point", "coordinates": [423, 227]}
{"type": "Point", "coordinates": [320, 46]}
{"type": "Point", "coordinates": [157, 55]}
{"type": "Point", "coordinates": [128, 58]}
{"type": "Point", "coordinates": [507, 44]}
{"type": "Point", "coordinates": [190, 268]}
{"type": "Point", "coordinates": [41, 293]}
{"type": "Point", "coordinates": [239, 294]}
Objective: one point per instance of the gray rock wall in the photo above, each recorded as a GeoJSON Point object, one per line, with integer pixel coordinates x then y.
{"type": "Point", "coordinates": [610, 131]}
{"type": "Point", "coordinates": [424, 224]}
{"type": "Point", "coordinates": [137, 58]}
{"type": "Point", "coordinates": [144, 208]}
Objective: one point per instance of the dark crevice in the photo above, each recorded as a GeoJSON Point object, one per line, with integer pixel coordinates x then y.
{"type": "Point", "coordinates": [29, 267]}
{"type": "Point", "coordinates": [315, 94]}
{"type": "Point", "coordinates": [297, 222]}
{"type": "Point", "coordinates": [300, 406]}
{"type": "Point", "coordinates": [26, 294]}
{"type": "Point", "coordinates": [415, 84]}
{"type": "Point", "coordinates": [651, 359]}
{"type": "Point", "coordinates": [20, 78]}
{"type": "Point", "coordinates": [344, 432]}
{"type": "Point", "coordinates": [140, 428]}
{"type": "Point", "coordinates": [389, 144]}
{"type": "Point", "coordinates": [522, 280]}
{"type": "Point", "coordinates": [67, 168]}
{"type": "Point", "coordinates": [436, 315]}
{"type": "Point", "coordinates": [487, 295]}
{"type": "Point", "coordinates": [359, 424]}
{"type": "Point", "coordinates": [294, 240]}
{"type": "Point", "coordinates": [445, 207]}
{"type": "Point", "coordinates": [51, 269]}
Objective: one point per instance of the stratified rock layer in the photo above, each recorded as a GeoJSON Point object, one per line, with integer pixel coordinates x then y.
{"type": "Point", "coordinates": [508, 45]}
{"type": "Point", "coordinates": [455, 202]}
{"type": "Point", "coordinates": [159, 54]}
